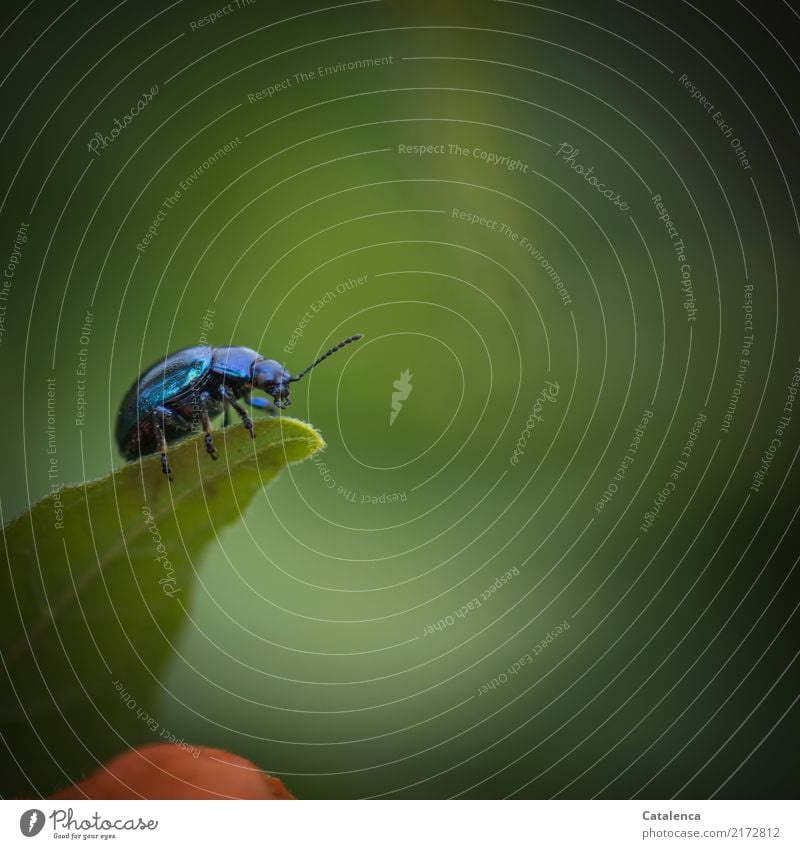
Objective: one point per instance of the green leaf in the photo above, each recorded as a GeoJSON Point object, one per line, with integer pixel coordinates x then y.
{"type": "Point", "coordinates": [94, 583]}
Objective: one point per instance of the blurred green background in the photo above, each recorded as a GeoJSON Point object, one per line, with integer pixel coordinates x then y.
{"type": "Point", "coordinates": [312, 644]}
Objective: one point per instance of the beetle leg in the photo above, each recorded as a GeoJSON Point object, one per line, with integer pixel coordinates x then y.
{"type": "Point", "coordinates": [200, 404]}
{"type": "Point", "coordinates": [207, 431]}
{"type": "Point", "coordinates": [246, 420]}
{"type": "Point", "coordinates": [167, 420]}
{"type": "Point", "coordinates": [162, 443]}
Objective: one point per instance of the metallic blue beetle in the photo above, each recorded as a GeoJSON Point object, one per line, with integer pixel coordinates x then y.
{"type": "Point", "coordinates": [188, 388]}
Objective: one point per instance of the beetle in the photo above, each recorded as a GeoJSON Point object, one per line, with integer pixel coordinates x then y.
{"type": "Point", "coordinates": [191, 386]}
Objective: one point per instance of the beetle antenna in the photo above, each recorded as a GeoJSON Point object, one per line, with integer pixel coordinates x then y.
{"type": "Point", "coordinates": [325, 356]}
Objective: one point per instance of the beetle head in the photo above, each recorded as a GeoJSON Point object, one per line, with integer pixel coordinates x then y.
{"type": "Point", "coordinates": [271, 377]}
